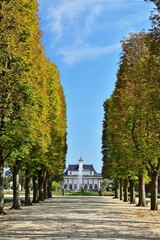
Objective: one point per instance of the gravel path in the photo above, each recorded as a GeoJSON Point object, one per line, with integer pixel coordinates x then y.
{"type": "Point", "coordinates": [80, 218]}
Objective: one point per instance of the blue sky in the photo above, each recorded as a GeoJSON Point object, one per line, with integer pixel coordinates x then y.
{"type": "Point", "coordinates": [82, 37]}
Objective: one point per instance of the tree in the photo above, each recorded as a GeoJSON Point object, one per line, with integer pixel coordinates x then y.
{"type": "Point", "coordinates": [14, 64]}
{"type": "Point", "coordinates": [6, 183]}
{"type": "Point", "coordinates": [132, 123]}
{"type": "Point", "coordinates": [156, 2]}
{"type": "Point", "coordinates": [33, 107]}
{"type": "Point", "coordinates": [106, 158]}
{"type": "Point", "coordinates": [144, 114]}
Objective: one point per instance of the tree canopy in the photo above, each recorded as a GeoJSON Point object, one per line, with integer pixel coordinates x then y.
{"type": "Point", "coordinates": [32, 102]}
{"type": "Point", "coordinates": [131, 125]}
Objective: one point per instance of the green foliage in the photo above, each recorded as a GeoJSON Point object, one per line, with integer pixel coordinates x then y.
{"type": "Point", "coordinates": [33, 102]}
{"type": "Point", "coordinates": [55, 186]}
{"type": "Point", "coordinates": [131, 126]}
{"type": "Point", "coordinates": [104, 183]}
{"type": "Point", "coordinates": [6, 183]}
{"type": "Point", "coordinates": [104, 193]}
{"type": "Point", "coordinates": [84, 193]}
{"type": "Point", "coordinates": [33, 107]}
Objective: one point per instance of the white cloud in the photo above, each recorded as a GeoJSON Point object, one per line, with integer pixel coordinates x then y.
{"type": "Point", "coordinates": [76, 54]}
{"type": "Point", "coordinates": [128, 21]}
{"type": "Point", "coordinates": [91, 18]}
{"type": "Point", "coordinates": [72, 24]}
{"type": "Point", "coordinates": [67, 12]}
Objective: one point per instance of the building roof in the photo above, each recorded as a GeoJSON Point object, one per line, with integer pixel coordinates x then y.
{"type": "Point", "coordinates": [86, 167]}
{"type": "Point", "coordinates": [76, 167]}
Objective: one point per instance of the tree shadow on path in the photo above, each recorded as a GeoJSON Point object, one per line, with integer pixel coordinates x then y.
{"type": "Point", "coordinates": [79, 218]}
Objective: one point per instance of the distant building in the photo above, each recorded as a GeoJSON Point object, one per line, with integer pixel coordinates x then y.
{"type": "Point", "coordinates": [80, 176]}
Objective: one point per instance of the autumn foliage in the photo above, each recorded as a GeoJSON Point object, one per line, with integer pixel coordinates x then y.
{"type": "Point", "coordinates": [131, 125]}
{"type": "Point", "coordinates": [32, 101]}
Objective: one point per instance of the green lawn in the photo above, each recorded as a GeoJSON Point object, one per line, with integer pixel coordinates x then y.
{"type": "Point", "coordinates": [82, 193]}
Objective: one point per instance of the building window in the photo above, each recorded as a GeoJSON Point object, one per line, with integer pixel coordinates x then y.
{"type": "Point", "coordinates": [85, 186]}
{"type": "Point", "coordinates": [90, 173]}
{"type": "Point", "coordinates": [70, 173]}
{"type": "Point", "coordinates": [70, 186]}
{"type": "Point", "coordinates": [65, 186]}
{"type": "Point", "coordinates": [90, 186]}
{"type": "Point", "coordinates": [95, 187]}
{"type": "Point", "coordinates": [75, 186]}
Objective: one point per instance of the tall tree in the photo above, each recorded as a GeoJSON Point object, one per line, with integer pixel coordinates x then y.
{"type": "Point", "coordinates": [15, 29]}
{"type": "Point", "coordinates": [32, 101]}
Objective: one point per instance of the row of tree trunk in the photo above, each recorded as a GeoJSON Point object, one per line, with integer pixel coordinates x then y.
{"type": "Point", "coordinates": [124, 186]}
{"type": "Point", "coordinates": [41, 188]}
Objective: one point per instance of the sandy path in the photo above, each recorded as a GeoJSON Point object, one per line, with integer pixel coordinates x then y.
{"type": "Point", "coordinates": [80, 218]}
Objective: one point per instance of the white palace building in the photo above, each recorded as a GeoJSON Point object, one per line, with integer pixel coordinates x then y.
{"type": "Point", "coordinates": [81, 176]}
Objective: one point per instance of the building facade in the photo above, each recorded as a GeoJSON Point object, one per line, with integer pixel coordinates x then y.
{"type": "Point", "coordinates": [81, 176]}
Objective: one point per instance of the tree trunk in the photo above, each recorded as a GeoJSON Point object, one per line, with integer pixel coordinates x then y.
{"type": "Point", "coordinates": [132, 191]}
{"type": "Point", "coordinates": [142, 195]}
{"type": "Point", "coordinates": [16, 198]}
{"type": "Point", "coordinates": [40, 185]}
{"type": "Point", "coordinates": [27, 189]}
{"type": "Point", "coordinates": [154, 187]}
{"type": "Point", "coordinates": [1, 186]}
{"type": "Point", "coordinates": [121, 189]}
{"type": "Point", "coordinates": [35, 190]}
{"type": "Point", "coordinates": [49, 188]}
{"type": "Point", "coordinates": [125, 190]}
{"type": "Point", "coordinates": [45, 186]}
{"type": "Point", "coordinates": [116, 188]}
